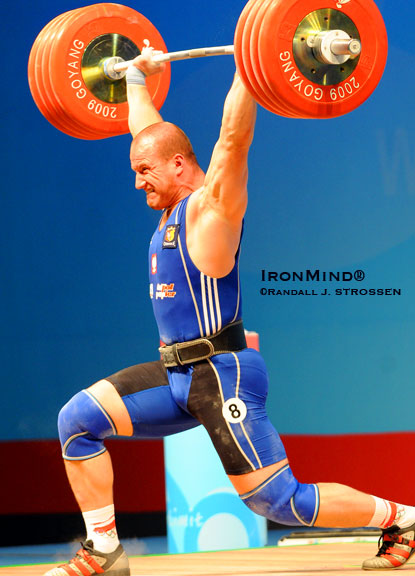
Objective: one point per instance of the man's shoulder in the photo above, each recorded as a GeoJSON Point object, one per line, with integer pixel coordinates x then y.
{"type": "Point", "coordinates": [196, 200]}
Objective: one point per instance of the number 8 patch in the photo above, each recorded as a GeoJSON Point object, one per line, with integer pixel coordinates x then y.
{"type": "Point", "coordinates": [234, 410]}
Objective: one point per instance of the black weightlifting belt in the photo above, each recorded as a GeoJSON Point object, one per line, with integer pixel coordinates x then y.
{"type": "Point", "coordinates": [229, 339]}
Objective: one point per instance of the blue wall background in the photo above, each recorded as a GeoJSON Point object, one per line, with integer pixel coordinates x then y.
{"type": "Point", "coordinates": [331, 195]}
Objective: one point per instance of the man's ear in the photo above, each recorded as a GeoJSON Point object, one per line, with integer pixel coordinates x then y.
{"type": "Point", "coordinates": [179, 163]}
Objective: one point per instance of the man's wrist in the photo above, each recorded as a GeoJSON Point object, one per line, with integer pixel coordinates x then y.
{"type": "Point", "coordinates": [135, 76]}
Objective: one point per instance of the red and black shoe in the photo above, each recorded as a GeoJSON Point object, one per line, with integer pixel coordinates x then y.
{"type": "Point", "coordinates": [396, 546]}
{"type": "Point", "coordinates": [88, 562]}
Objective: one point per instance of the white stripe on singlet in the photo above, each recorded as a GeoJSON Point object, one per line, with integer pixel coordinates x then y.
{"type": "Point", "coordinates": [212, 312]}
{"type": "Point", "coordinates": [218, 312]}
{"type": "Point", "coordinates": [239, 290]}
{"type": "Point", "coordinates": [238, 381]}
{"type": "Point", "coordinates": [204, 304]}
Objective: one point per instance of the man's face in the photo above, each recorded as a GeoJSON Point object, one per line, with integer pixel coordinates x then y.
{"type": "Point", "coordinates": [154, 174]}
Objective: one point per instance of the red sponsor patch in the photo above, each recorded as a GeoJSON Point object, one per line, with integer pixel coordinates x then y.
{"type": "Point", "coordinates": [154, 264]}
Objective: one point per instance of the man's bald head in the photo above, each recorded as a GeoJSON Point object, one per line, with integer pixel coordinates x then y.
{"type": "Point", "coordinates": [166, 139]}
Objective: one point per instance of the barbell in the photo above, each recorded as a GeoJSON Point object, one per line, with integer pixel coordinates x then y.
{"type": "Point", "coordinates": [298, 58]}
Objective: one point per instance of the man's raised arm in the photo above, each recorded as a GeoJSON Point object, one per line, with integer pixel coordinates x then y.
{"type": "Point", "coordinates": [227, 176]}
{"type": "Point", "coordinates": [142, 112]}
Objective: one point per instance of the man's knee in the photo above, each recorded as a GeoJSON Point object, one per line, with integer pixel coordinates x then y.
{"type": "Point", "coordinates": [283, 499]}
{"type": "Point", "coordinates": [83, 424]}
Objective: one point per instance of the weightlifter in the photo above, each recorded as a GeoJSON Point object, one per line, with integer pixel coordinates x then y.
{"type": "Point", "coordinates": [207, 375]}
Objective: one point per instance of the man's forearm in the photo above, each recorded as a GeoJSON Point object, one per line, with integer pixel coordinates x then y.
{"type": "Point", "coordinates": [239, 115]}
{"type": "Point", "coordinates": [142, 112]}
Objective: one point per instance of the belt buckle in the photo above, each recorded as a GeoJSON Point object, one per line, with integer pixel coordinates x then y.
{"type": "Point", "coordinates": [170, 359]}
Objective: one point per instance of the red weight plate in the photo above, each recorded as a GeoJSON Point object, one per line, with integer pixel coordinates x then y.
{"type": "Point", "coordinates": [54, 114]}
{"type": "Point", "coordinates": [250, 45]}
{"type": "Point", "coordinates": [262, 98]}
{"type": "Point", "coordinates": [31, 68]}
{"type": "Point", "coordinates": [262, 59]}
{"type": "Point", "coordinates": [63, 118]}
{"type": "Point", "coordinates": [242, 62]}
{"type": "Point", "coordinates": [31, 73]}
{"type": "Point", "coordinates": [40, 94]}
{"type": "Point", "coordinates": [239, 60]}
{"type": "Point", "coordinates": [285, 110]}
{"type": "Point", "coordinates": [284, 78]}
{"type": "Point", "coordinates": [65, 115]}
{"type": "Point", "coordinates": [34, 71]}
{"type": "Point", "coordinates": [65, 65]}
{"type": "Point", "coordinates": [33, 52]}
{"type": "Point", "coordinates": [104, 106]}
{"type": "Point", "coordinates": [245, 56]}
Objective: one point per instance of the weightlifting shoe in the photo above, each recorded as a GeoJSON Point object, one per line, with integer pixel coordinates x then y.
{"type": "Point", "coordinates": [396, 546]}
{"type": "Point", "coordinates": [88, 562]}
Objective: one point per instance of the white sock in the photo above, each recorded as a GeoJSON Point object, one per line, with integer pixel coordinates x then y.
{"type": "Point", "coordinates": [100, 526]}
{"type": "Point", "coordinates": [389, 513]}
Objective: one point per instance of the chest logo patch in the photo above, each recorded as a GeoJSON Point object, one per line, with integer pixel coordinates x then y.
{"type": "Point", "coordinates": [171, 236]}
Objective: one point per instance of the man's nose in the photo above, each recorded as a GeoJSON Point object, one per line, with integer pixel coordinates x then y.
{"type": "Point", "coordinates": [139, 182]}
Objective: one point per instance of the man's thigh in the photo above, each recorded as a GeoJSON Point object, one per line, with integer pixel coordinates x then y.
{"type": "Point", "coordinates": [228, 395]}
{"type": "Point", "coordinates": [146, 393]}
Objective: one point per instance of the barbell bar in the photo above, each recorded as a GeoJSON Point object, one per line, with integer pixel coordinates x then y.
{"type": "Point", "coordinates": [345, 47]}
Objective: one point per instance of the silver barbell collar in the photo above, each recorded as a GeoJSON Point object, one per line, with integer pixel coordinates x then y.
{"type": "Point", "coordinates": [334, 47]}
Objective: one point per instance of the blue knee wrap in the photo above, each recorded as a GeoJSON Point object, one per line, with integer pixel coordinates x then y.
{"type": "Point", "coordinates": [283, 499]}
{"type": "Point", "coordinates": [83, 424]}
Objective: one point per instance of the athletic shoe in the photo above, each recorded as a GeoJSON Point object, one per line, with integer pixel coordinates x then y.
{"type": "Point", "coordinates": [88, 562]}
{"type": "Point", "coordinates": [396, 546]}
